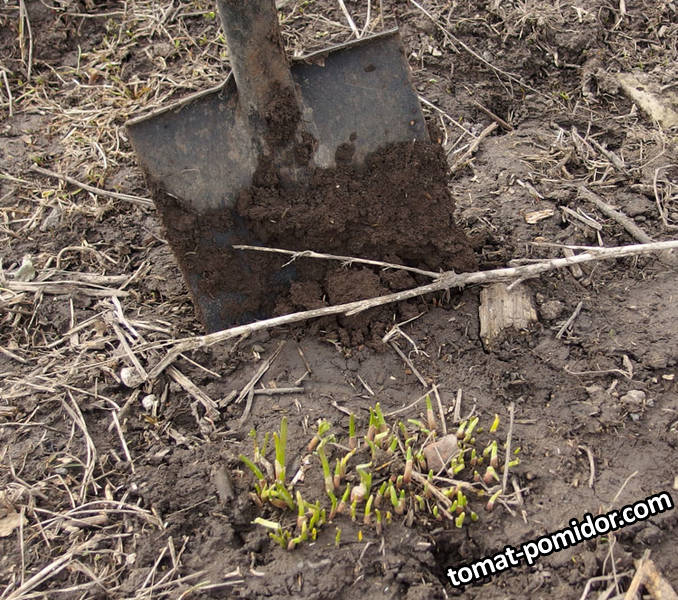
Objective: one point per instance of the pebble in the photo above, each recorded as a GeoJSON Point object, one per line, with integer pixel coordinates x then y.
{"type": "Point", "coordinates": [148, 402]}
{"type": "Point", "coordinates": [634, 397]}
{"type": "Point", "coordinates": [130, 377]}
{"type": "Point", "coordinates": [637, 206]}
{"type": "Point", "coordinates": [551, 309]}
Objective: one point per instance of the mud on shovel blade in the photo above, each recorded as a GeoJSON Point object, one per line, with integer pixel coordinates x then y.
{"type": "Point", "coordinates": [200, 153]}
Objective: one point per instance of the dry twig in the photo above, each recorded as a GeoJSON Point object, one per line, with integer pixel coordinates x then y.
{"type": "Point", "coordinates": [445, 281]}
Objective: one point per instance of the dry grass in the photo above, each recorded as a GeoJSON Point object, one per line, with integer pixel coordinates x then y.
{"type": "Point", "coordinates": [78, 531]}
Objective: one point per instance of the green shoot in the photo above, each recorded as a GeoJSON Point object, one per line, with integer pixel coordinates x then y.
{"type": "Point", "coordinates": [495, 424]}
{"type": "Point", "coordinates": [400, 508]}
{"type": "Point", "coordinates": [333, 509]}
{"type": "Point", "coordinates": [344, 499]}
{"type": "Point", "coordinates": [469, 430]}
{"type": "Point", "coordinates": [301, 511]}
{"type": "Point", "coordinates": [329, 480]}
{"type": "Point", "coordinates": [280, 491]}
{"type": "Point", "coordinates": [268, 524]}
{"type": "Point", "coordinates": [372, 427]}
{"type": "Point", "coordinates": [359, 492]}
{"type": "Point", "coordinates": [430, 418]}
{"type": "Point", "coordinates": [252, 467]}
{"type": "Point", "coordinates": [380, 421]}
{"type": "Point", "coordinates": [340, 468]}
{"type": "Point", "coordinates": [337, 537]}
{"type": "Point", "coordinates": [407, 474]}
{"type": "Point", "coordinates": [380, 494]}
{"type": "Point", "coordinates": [354, 508]}
{"type": "Point", "coordinates": [393, 496]}
{"type": "Point", "coordinates": [461, 429]}
{"type": "Point", "coordinates": [380, 438]}
{"type": "Point", "coordinates": [373, 448]}
{"type": "Point", "coordinates": [323, 427]}
{"type": "Point", "coordinates": [315, 517]}
{"type": "Point", "coordinates": [377, 514]}
{"type": "Point", "coordinates": [403, 430]}
{"type": "Point", "coordinates": [368, 510]}
{"type": "Point", "coordinates": [281, 538]}
{"type": "Point", "coordinates": [494, 459]}
{"type": "Point", "coordinates": [459, 521]}
{"type": "Point", "coordinates": [302, 537]}
{"type": "Point", "coordinates": [490, 474]}
{"type": "Point", "coordinates": [489, 507]}
{"type": "Point", "coordinates": [280, 449]}
{"type": "Point", "coordinates": [352, 439]}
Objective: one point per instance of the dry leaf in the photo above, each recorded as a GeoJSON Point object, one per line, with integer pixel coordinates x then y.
{"type": "Point", "coordinates": [10, 522]}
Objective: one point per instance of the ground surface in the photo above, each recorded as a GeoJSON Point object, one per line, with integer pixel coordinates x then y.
{"type": "Point", "coordinates": [104, 495]}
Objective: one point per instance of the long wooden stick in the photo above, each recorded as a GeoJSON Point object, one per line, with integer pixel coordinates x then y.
{"type": "Point", "coordinates": [348, 260]}
{"type": "Point", "coordinates": [445, 281]}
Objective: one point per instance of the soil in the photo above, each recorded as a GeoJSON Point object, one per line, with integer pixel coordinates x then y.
{"type": "Point", "coordinates": [155, 486]}
{"type": "Point", "coordinates": [395, 207]}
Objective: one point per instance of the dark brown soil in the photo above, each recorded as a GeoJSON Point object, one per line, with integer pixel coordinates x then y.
{"type": "Point", "coordinates": [396, 207]}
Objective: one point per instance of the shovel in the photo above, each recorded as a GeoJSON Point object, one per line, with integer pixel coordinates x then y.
{"type": "Point", "coordinates": [200, 154]}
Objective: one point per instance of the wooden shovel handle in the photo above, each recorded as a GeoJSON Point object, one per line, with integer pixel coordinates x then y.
{"type": "Point", "coordinates": [260, 67]}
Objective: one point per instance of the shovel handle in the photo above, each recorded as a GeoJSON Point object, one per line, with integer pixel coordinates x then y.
{"type": "Point", "coordinates": [257, 56]}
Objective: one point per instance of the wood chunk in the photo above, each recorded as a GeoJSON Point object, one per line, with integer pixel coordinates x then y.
{"type": "Point", "coordinates": [539, 215]}
{"type": "Point", "coordinates": [501, 309]}
{"type": "Point", "coordinates": [660, 105]}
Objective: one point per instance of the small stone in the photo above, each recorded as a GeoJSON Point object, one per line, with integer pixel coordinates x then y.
{"type": "Point", "coordinates": [637, 206]}
{"type": "Point", "coordinates": [52, 220]}
{"type": "Point", "coordinates": [656, 359]}
{"type": "Point", "coordinates": [26, 272]}
{"type": "Point", "coordinates": [439, 454]}
{"type": "Point", "coordinates": [258, 348]}
{"type": "Point", "coordinates": [130, 377]}
{"type": "Point", "coordinates": [551, 309]}
{"type": "Point", "coordinates": [148, 402]}
{"type": "Point", "coordinates": [634, 398]}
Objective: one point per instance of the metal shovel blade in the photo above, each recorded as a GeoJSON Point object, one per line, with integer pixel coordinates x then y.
{"type": "Point", "coordinates": [358, 95]}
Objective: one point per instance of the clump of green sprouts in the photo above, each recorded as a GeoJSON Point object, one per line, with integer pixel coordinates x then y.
{"type": "Point", "coordinates": [379, 475]}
